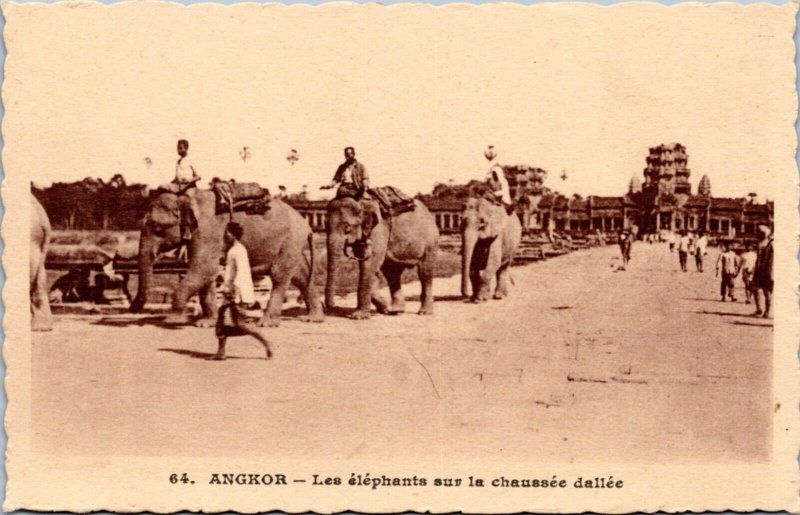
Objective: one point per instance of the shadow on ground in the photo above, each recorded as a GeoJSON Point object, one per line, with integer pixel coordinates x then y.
{"type": "Point", "coordinates": [752, 324]}
{"type": "Point", "coordinates": [206, 356]}
{"type": "Point", "coordinates": [159, 320]}
{"type": "Point", "coordinates": [438, 298]}
{"type": "Point", "coordinates": [722, 313]}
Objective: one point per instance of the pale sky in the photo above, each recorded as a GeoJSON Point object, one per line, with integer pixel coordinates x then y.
{"type": "Point", "coordinates": [419, 91]}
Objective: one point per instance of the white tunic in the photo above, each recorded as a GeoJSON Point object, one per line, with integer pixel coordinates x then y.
{"type": "Point", "coordinates": [700, 246]}
{"type": "Point", "coordinates": [238, 277]}
{"type": "Point", "coordinates": [184, 170]}
{"type": "Point", "coordinates": [496, 173]}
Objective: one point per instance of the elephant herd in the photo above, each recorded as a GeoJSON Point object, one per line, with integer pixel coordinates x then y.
{"type": "Point", "coordinates": [279, 244]}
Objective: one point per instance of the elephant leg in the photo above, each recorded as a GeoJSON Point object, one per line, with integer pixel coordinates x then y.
{"type": "Point", "coordinates": [489, 274]}
{"type": "Point", "coordinates": [307, 277]}
{"type": "Point", "coordinates": [503, 282]}
{"type": "Point", "coordinates": [475, 282]}
{"type": "Point", "coordinates": [393, 273]}
{"type": "Point", "coordinates": [314, 311]}
{"type": "Point", "coordinates": [192, 283]}
{"type": "Point", "coordinates": [481, 271]}
{"type": "Point", "coordinates": [368, 282]}
{"type": "Point", "coordinates": [281, 276]}
{"type": "Point", "coordinates": [208, 303]}
{"type": "Point", "coordinates": [41, 316]}
{"type": "Point", "coordinates": [381, 303]}
{"type": "Point", "coordinates": [426, 271]}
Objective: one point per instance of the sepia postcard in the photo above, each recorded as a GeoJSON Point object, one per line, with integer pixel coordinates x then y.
{"type": "Point", "coordinates": [487, 259]}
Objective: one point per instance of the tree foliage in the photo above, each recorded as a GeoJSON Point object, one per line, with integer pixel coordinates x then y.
{"type": "Point", "coordinates": [94, 204]}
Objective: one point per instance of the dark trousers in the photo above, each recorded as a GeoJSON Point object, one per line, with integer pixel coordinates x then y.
{"type": "Point", "coordinates": [726, 285]}
{"type": "Point", "coordinates": [698, 261]}
{"type": "Point", "coordinates": [747, 278]}
{"type": "Point", "coordinates": [682, 255]}
{"type": "Point", "coordinates": [349, 190]}
{"type": "Point", "coordinates": [231, 322]}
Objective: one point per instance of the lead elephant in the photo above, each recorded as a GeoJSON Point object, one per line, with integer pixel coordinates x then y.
{"type": "Point", "coordinates": [381, 245]}
{"type": "Point", "coordinates": [278, 244]}
{"type": "Point", "coordinates": [41, 317]}
{"type": "Point", "coordinates": [489, 240]}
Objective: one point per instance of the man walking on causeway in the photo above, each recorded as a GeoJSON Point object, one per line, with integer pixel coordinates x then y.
{"type": "Point", "coordinates": [762, 274]}
{"type": "Point", "coordinates": [684, 247]}
{"type": "Point", "coordinates": [238, 292]}
{"type": "Point", "coordinates": [700, 251]}
{"type": "Point", "coordinates": [748, 267]}
{"type": "Point", "coordinates": [728, 264]}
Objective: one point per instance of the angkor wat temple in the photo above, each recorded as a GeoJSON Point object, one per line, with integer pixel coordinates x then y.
{"type": "Point", "coordinates": [663, 201]}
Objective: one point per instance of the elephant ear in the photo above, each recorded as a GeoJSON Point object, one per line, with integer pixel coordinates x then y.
{"type": "Point", "coordinates": [165, 210]}
{"type": "Point", "coordinates": [370, 217]}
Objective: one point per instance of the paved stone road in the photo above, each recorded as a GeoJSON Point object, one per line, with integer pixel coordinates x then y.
{"type": "Point", "coordinates": [582, 362]}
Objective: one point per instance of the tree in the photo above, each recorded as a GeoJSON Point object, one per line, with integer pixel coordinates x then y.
{"type": "Point", "coordinates": [94, 204]}
{"type": "Point", "coordinates": [245, 154]}
{"type": "Point", "coordinates": [292, 156]}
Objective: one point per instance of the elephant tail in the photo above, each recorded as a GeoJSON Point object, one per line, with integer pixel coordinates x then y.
{"type": "Point", "coordinates": [310, 256]}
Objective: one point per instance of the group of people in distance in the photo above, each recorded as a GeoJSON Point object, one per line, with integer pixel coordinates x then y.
{"type": "Point", "coordinates": [689, 244]}
{"type": "Point", "coordinates": [756, 267]}
{"type": "Point", "coordinates": [754, 262]}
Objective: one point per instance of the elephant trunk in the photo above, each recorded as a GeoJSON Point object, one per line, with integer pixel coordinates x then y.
{"type": "Point", "coordinates": [469, 237]}
{"type": "Point", "coordinates": [148, 246]}
{"type": "Point", "coordinates": [335, 246]}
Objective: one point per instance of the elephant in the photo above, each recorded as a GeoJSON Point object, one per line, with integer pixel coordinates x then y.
{"type": "Point", "coordinates": [41, 316]}
{"type": "Point", "coordinates": [356, 229]}
{"type": "Point", "coordinates": [489, 240]}
{"type": "Point", "coordinates": [278, 242]}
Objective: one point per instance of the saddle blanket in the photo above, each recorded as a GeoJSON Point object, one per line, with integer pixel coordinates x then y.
{"type": "Point", "coordinates": [247, 197]}
{"type": "Point", "coordinates": [393, 202]}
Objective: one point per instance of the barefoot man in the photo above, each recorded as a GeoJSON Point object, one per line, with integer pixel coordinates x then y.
{"type": "Point", "coordinates": [238, 292]}
{"type": "Point", "coordinates": [763, 281]}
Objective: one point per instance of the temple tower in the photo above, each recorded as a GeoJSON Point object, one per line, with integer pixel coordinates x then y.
{"type": "Point", "coordinates": [666, 173]}
{"type": "Point", "coordinates": [704, 188]}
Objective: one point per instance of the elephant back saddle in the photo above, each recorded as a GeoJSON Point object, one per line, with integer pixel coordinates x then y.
{"type": "Point", "coordinates": [392, 201]}
{"type": "Point", "coordinates": [247, 197]}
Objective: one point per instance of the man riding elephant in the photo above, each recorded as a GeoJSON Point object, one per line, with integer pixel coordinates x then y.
{"type": "Point", "coordinates": [278, 241]}
{"type": "Point", "coordinates": [490, 238]}
{"type": "Point", "coordinates": [351, 176]}
{"type": "Point", "coordinates": [185, 186]}
{"type": "Point", "coordinates": [358, 230]}
{"type": "Point", "coordinates": [499, 191]}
